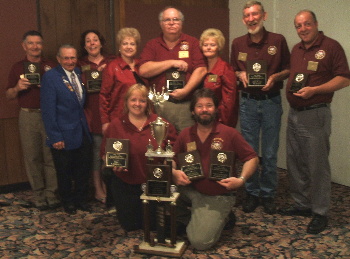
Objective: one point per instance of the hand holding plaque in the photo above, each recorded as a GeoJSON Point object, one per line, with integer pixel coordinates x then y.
{"type": "Point", "coordinates": [222, 163]}
{"type": "Point", "coordinates": [299, 81]}
{"type": "Point", "coordinates": [257, 73]}
{"type": "Point", "coordinates": [175, 79]}
{"type": "Point", "coordinates": [117, 152]}
{"type": "Point", "coordinates": [190, 164]}
{"type": "Point", "coordinates": [32, 72]}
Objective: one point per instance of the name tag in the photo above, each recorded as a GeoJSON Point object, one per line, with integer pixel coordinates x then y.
{"type": "Point", "coordinates": [312, 65]}
{"type": "Point", "coordinates": [242, 56]}
{"type": "Point", "coordinates": [212, 78]}
{"type": "Point", "coordinates": [184, 54]}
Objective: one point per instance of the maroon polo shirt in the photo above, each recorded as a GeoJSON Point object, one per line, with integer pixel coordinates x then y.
{"type": "Point", "coordinates": [122, 128]}
{"type": "Point", "coordinates": [221, 137]}
{"type": "Point", "coordinates": [116, 80]}
{"type": "Point", "coordinates": [323, 61]}
{"type": "Point", "coordinates": [157, 50]}
{"type": "Point", "coordinates": [92, 107]}
{"type": "Point", "coordinates": [222, 80]}
{"type": "Point", "coordinates": [29, 98]}
{"type": "Point", "coordinates": [273, 48]}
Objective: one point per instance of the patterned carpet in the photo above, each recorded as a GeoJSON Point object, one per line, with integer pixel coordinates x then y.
{"type": "Point", "coordinates": [30, 233]}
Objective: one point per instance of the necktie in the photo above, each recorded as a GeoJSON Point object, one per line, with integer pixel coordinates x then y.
{"type": "Point", "coordinates": [75, 87]}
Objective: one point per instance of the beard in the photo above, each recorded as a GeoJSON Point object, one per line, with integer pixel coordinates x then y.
{"type": "Point", "coordinates": [260, 24]}
{"type": "Point", "coordinates": [212, 117]}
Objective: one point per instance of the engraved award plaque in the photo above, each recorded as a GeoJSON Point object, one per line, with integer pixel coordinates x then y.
{"type": "Point", "coordinates": [158, 183]}
{"type": "Point", "coordinates": [222, 163]}
{"type": "Point", "coordinates": [190, 164]}
{"type": "Point", "coordinates": [256, 73]}
{"type": "Point", "coordinates": [93, 80]}
{"type": "Point", "coordinates": [117, 152]}
{"type": "Point", "coordinates": [299, 81]}
{"type": "Point", "coordinates": [175, 79]}
{"type": "Point", "coordinates": [32, 72]}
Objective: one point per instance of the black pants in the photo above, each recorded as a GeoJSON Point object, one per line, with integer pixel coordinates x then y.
{"type": "Point", "coordinates": [127, 201]}
{"type": "Point", "coordinates": [73, 172]}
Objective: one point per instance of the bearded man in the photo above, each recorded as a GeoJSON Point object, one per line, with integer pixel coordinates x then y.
{"type": "Point", "coordinates": [261, 61]}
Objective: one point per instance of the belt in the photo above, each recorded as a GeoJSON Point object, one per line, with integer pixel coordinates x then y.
{"type": "Point", "coordinates": [30, 110]}
{"type": "Point", "coordinates": [260, 97]}
{"type": "Point", "coordinates": [311, 107]}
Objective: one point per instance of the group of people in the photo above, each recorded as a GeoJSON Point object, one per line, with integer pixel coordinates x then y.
{"type": "Point", "coordinates": [64, 126]}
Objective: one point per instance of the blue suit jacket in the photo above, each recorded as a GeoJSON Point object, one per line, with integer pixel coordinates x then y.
{"type": "Point", "coordinates": [63, 115]}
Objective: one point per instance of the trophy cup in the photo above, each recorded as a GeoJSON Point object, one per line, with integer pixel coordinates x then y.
{"type": "Point", "coordinates": [158, 189]}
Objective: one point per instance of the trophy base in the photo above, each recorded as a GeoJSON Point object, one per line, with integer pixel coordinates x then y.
{"type": "Point", "coordinates": [176, 251]}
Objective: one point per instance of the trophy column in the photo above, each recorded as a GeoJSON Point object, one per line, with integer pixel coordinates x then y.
{"type": "Point", "coordinates": [158, 189]}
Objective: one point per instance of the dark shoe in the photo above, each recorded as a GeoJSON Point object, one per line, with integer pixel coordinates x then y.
{"type": "Point", "coordinates": [70, 209]}
{"type": "Point", "coordinates": [230, 224]}
{"type": "Point", "coordinates": [317, 224]}
{"type": "Point", "coordinates": [26, 204]}
{"type": "Point", "coordinates": [269, 205]}
{"type": "Point", "coordinates": [251, 203]}
{"type": "Point", "coordinates": [84, 207]}
{"type": "Point", "coordinates": [292, 211]}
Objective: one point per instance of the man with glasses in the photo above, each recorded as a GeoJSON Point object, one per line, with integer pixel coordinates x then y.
{"type": "Point", "coordinates": [62, 100]}
{"type": "Point", "coordinates": [266, 54]}
{"type": "Point", "coordinates": [210, 201]}
{"type": "Point", "coordinates": [24, 85]}
{"type": "Point", "coordinates": [318, 68]}
{"type": "Point", "coordinates": [173, 61]}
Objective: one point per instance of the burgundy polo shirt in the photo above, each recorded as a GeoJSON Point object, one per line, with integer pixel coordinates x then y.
{"type": "Point", "coordinates": [116, 80]}
{"type": "Point", "coordinates": [157, 50]}
{"type": "Point", "coordinates": [273, 48]}
{"type": "Point", "coordinates": [122, 128]}
{"type": "Point", "coordinates": [323, 61]}
{"type": "Point", "coordinates": [222, 80]}
{"type": "Point", "coordinates": [92, 107]}
{"type": "Point", "coordinates": [221, 137]}
{"type": "Point", "coordinates": [29, 98]}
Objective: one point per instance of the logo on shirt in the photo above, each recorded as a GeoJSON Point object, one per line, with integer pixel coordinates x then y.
{"type": "Point", "coordinates": [184, 45]}
{"type": "Point", "coordinates": [217, 144]}
{"type": "Point", "coordinates": [272, 50]}
{"type": "Point", "coordinates": [320, 54]}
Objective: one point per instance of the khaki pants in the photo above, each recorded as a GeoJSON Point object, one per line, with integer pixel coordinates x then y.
{"type": "Point", "coordinates": [37, 158]}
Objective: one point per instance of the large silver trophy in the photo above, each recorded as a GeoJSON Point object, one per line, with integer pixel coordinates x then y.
{"type": "Point", "coordinates": [158, 189]}
{"type": "Point", "coordinates": [159, 130]}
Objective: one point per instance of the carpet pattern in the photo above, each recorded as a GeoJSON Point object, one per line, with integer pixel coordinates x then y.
{"type": "Point", "coordinates": [30, 233]}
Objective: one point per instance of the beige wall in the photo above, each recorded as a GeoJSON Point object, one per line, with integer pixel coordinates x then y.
{"type": "Point", "coordinates": [333, 18]}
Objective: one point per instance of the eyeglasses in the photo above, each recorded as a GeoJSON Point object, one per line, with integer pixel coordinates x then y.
{"type": "Point", "coordinates": [174, 20]}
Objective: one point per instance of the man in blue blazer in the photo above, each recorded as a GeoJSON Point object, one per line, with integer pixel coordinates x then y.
{"type": "Point", "coordinates": [62, 98]}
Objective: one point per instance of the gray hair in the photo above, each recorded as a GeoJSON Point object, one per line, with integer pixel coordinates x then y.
{"type": "Point", "coordinates": [160, 17]}
{"type": "Point", "coordinates": [251, 3]}
{"type": "Point", "coordinates": [64, 46]}
{"type": "Point", "coordinates": [308, 11]}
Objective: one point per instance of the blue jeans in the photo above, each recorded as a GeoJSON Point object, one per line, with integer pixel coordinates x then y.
{"type": "Point", "coordinates": [262, 117]}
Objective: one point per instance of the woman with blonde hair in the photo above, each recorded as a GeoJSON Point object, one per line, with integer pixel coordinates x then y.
{"type": "Point", "coordinates": [134, 125]}
{"type": "Point", "coordinates": [220, 77]}
{"type": "Point", "coordinates": [119, 75]}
